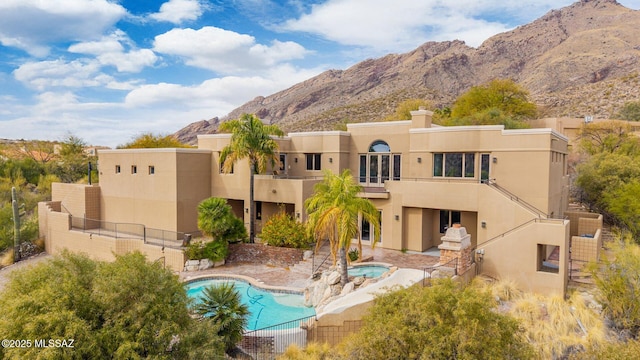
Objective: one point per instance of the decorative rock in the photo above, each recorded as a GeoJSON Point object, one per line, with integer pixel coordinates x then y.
{"type": "Point", "coordinates": [336, 289]}
{"type": "Point", "coordinates": [367, 282]}
{"type": "Point", "coordinates": [192, 263]}
{"type": "Point", "coordinates": [333, 278]}
{"type": "Point", "coordinates": [358, 280]}
{"type": "Point", "coordinates": [205, 264]}
{"type": "Point", "coordinates": [348, 288]}
{"type": "Point", "coordinates": [219, 263]}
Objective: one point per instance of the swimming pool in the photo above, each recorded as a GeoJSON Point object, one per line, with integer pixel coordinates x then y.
{"type": "Point", "coordinates": [266, 307]}
{"type": "Point", "coordinates": [368, 271]}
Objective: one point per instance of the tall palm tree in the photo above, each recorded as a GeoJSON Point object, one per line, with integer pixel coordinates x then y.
{"type": "Point", "coordinates": [251, 140]}
{"type": "Point", "coordinates": [222, 304]}
{"type": "Point", "coordinates": [334, 209]}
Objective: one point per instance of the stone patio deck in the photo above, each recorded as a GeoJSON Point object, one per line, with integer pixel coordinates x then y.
{"type": "Point", "coordinates": [296, 276]}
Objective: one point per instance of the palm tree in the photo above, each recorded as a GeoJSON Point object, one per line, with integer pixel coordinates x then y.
{"type": "Point", "coordinates": [252, 140]}
{"type": "Point", "coordinates": [222, 305]}
{"type": "Point", "coordinates": [334, 209]}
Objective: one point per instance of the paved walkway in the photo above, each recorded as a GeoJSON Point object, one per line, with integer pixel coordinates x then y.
{"type": "Point", "coordinates": [297, 276]}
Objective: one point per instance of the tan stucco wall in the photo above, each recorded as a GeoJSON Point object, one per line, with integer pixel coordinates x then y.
{"type": "Point", "coordinates": [59, 237]}
{"type": "Point", "coordinates": [513, 256]}
{"type": "Point", "coordinates": [78, 199]}
{"type": "Point", "coordinates": [164, 200]}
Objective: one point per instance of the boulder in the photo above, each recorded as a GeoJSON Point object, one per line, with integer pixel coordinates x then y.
{"type": "Point", "coordinates": [348, 288]}
{"type": "Point", "coordinates": [205, 264]}
{"type": "Point", "coordinates": [333, 278]}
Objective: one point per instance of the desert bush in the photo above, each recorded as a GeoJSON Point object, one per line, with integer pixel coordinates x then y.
{"type": "Point", "coordinates": [617, 279]}
{"type": "Point", "coordinates": [444, 321]}
{"type": "Point", "coordinates": [283, 230]}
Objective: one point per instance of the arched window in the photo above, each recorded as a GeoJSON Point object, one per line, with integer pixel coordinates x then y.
{"type": "Point", "coordinates": [379, 146]}
{"type": "Point", "coordinates": [379, 165]}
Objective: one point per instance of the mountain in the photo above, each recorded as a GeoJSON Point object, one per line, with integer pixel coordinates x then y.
{"type": "Point", "coordinates": [580, 60]}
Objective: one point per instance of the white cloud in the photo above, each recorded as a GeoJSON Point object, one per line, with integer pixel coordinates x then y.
{"type": "Point", "coordinates": [218, 95]}
{"type": "Point", "coordinates": [109, 51]}
{"type": "Point", "coordinates": [80, 73]}
{"type": "Point", "coordinates": [406, 24]}
{"type": "Point", "coordinates": [31, 24]}
{"type": "Point", "coordinates": [224, 51]}
{"type": "Point", "coordinates": [177, 11]}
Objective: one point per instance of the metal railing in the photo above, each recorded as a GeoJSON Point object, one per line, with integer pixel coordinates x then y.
{"type": "Point", "coordinates": [314, 267]}
{"type": "Point", "coordinates": [164, 238]}
{"type": "Point", "coordinates": [513, 197]}
{"type": "Point", "coordinates": [451, 267]}
{"type": "Point", "coordinates": [269, 342]}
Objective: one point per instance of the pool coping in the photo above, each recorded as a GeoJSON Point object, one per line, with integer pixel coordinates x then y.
{"type": "Point", "coordinates": [252, 281]}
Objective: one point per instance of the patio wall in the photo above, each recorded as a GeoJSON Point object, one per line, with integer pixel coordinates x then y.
{"type": "Point", "coordinates": [55, 227]}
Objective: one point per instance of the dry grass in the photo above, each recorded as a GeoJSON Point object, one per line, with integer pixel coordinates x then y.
{"type": "Point", "coordinates": [7, 258]}
{"type": "Point", "coordinates": [39, 242]}
{"type": "Point", "coordinates": [551, 324]}
{"type": "Point", "coordinates": [313, 351]}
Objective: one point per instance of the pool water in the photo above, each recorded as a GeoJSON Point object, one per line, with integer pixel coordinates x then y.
{"type": "Point", "coordinates": [266, 308]}
{"type": "Point", "coordinates": [368, 271]}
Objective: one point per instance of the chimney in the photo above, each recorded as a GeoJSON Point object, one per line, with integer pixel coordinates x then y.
{"type": "Point", "coordinates": [456, 244]}
{"type": "Point", "coordinates": [421, 118]}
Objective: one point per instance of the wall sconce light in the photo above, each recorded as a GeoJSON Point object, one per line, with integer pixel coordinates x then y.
{"type": "Point", "coordinates": [273, 191]}
{"type": "Point", "coordinates": [397, 217]}
{"type": "Point", "coordinates": [330, 160]}
{"type": "Point", "coordinates": [246, 210]}
{"type": "Point", "coordinates": [297, 215]}
{"type": "Point", "coordinates": [419, 160]}
{"type": "Point", "coordinates": [483, 224]}
{"type": "Point", "coordinates": [295, 160]}
{"type": "Point", "coordinates": [495, 160]}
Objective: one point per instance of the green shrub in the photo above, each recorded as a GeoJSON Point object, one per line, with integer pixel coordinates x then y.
{"type": "Point", "coordinates": [444, 321]}
{"type": "Point", "coordinates": [354, 254]}
{"type": "Point", "coordinates": [215, 250]}
{"type": "Point", "coordinates": [283, 230]}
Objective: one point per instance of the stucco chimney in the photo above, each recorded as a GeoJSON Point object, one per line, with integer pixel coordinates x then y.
{"type": "Point", "coordinates": [421, 118]}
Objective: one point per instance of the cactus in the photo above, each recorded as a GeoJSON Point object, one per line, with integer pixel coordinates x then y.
{"type": "Point", "coordinates": [16, 223]}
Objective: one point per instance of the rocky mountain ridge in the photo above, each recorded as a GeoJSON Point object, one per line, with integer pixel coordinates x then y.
{"type": "Point", "coordinates": [580, 60]}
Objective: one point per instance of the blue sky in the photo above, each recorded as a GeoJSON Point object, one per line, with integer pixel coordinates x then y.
{"type": "Point", "coordinates": [108, 70]}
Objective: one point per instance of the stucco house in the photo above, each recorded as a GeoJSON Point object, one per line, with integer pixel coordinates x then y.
{"type": "Point", "coordinates": [508, 188]}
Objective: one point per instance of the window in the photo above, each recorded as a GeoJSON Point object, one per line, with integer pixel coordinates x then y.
{"type": "Point", "coordinates": [152, 169]}
{"type": "Point", "coordinates": [313, 161]}
{"type": "Point", "coordinates": [283, 162]}
{"type": "Point", "coordinates": [378, 165]}
{"type": "Point", "coordinates": [548, 258]}
{"type": "Point", "coordinates": [258, 210]}
{"type": "Point", "coordinates": [134, 169]}
{"type": "Point", "coordinates": [454, 165]}
{"type": "Point", "coordinates": [221, 169]}
{"type": "Point", "coordinates": [396, 167]}
{"type": "Point", "coordinates": [117, 169]}
{"type": "Point", "coordinates": [447, 219]}
{"type": "Point", "coordinates": [484, 167]}
{"type": "Point", "coordinates": [367, 230]}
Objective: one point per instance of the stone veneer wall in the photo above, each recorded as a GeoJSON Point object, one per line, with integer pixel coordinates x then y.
{"type": "Point", "coordinates": [464, 256]}
{"type": "Point", "coordinates": [264, 254]}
